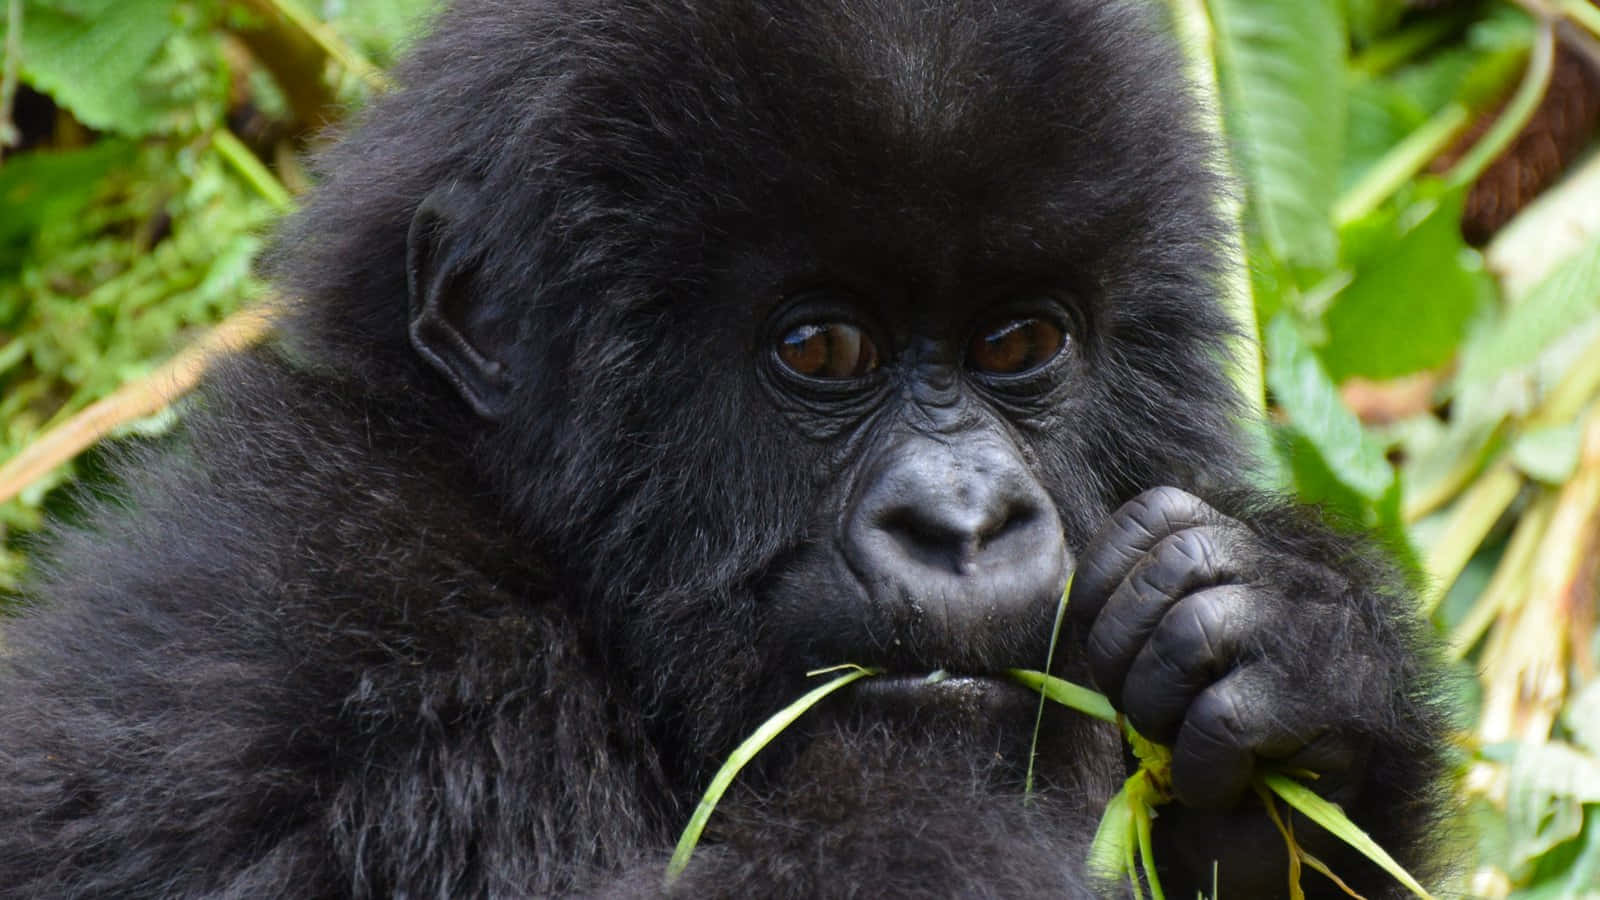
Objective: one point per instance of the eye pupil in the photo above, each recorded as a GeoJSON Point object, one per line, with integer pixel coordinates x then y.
{"type": "Point", "coordinates": [828, 350]}
{"type": "Point", "coordinates": [1017, 346]}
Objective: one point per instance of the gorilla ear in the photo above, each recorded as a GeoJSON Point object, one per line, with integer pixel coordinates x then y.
{"type": "Point", "coordinates": [453, 325]}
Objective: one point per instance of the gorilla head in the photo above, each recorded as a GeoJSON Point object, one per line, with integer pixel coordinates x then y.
{"type": "Point", "coordinates": [643, 356]}
{"type": "Point", "coordinates": [800, 332]}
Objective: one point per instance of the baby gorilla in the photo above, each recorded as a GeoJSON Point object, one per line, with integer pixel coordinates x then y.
{"type": "Point", "coordinates": [642, 357]}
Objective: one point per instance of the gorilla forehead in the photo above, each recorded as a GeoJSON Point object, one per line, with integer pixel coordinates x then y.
{"type": "Point", "coordinates": [944, 127]}
{"type": "Point", "coordinates": [624, 139]}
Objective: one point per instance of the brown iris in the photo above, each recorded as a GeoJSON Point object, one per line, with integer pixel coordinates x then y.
{"type": "Point", "coordinates": [1016, 346]}
{"type": "Point", "coordinates": [828, 350]}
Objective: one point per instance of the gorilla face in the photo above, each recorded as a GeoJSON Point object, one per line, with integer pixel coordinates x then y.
{"type": "Point", "coordinates": [845, 377]}
{"type": "Point", "coordinates": [943, 550]}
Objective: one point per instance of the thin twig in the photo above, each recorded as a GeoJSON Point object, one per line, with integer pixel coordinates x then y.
{"type": "Point", "coordinates": [133, 401]}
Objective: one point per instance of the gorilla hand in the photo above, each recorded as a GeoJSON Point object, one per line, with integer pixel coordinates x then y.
{"type": "Point", "coordinates": [1204, 644]}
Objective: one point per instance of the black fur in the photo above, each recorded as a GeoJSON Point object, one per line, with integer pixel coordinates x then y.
{"type": "Point", "coordinates": [350, 639]}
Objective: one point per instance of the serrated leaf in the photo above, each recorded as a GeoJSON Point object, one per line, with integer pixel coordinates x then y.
{"type": "Point", "coordinates": [86, 53]}
{"type": "Point", "coordinates": [1315, 412]}
{"type": "Point", "coordinates": [1281, 70]}
{"type": "Point", "coordinates": [1416, 288]}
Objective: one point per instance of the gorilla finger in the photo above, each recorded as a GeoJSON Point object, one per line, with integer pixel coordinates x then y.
{"type": "Point", "coordinates": [1195, 643]}
{"type": "Point", "coordinates": [1227, 728]}
{"type": "Point", "coordinates": [1179, 564]}
{"type": "Point", "coordinates": [1125, 538]}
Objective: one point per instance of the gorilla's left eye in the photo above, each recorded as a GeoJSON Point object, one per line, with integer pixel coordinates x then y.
{"type": "Point", "coordinates": [828, 350]}
{"type": "Point", "coordinates": [1017, 346]}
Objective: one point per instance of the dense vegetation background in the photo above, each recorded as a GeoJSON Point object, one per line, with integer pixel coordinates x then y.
{"type": "Point", "coordinates": [1431, 330]}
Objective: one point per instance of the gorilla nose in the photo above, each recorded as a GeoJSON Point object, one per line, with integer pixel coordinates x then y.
{"type": "Point", "coordinates": [961, 530]}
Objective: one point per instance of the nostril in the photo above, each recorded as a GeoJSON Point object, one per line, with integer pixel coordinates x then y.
{"type": "Point", "coordinates": [1017, 517]}
{"type": "Point", "coordinates": [930, 540]}
{"type": "Point", "coordinates": [954, 536]}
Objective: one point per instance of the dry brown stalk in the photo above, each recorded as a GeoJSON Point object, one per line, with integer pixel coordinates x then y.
{"type": "Point", "coordinates": [134, 400]}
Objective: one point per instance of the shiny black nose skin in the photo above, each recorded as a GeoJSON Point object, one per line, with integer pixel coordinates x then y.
{"type": "Point", "coordinates": [959, 529]}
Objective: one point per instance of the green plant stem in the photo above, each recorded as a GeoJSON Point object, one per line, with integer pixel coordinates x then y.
{"type": "Point", "coordinates": [331, 44]}
{"type": "Point", "coordinates": [1583, 13]}
{"type": "Point", "coordinates": [1475, 513]}
{"type": "Point", "coordinates": [1401, 164]}
{"type": "Point", "coordinates": [238, 156]}
{"type": "Point", "coordinates": [1510, 579]}
{"type": "Point", "coordinates": [1517, 113]}
{"type": "Point", "coordinates": [1038, 716]}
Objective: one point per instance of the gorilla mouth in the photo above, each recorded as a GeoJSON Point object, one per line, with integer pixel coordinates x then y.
{"type": "Point", "coordinates": [951, 698]}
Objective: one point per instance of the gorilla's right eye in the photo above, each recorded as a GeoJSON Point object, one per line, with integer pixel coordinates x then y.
{"type": "Point", "coordinates": [828, 350]}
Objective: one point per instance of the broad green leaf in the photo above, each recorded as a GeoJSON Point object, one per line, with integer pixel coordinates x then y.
{"type": "Point", "coordinates": [1315, 412]}
{"type": "Point", "coordinates": [87, 53]}
{"type": "Point", "coordinates": [1281, 69]}
{"type": "Point", "coordinates": [1416, 288]}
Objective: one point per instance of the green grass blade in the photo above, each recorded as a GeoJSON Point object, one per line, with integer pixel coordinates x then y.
{"type": "Point", "coordinates": [742, 755]}
{"type": "Point", "coordinates": [1147, 853]}
{"type": "Point", "coordinates": [1331, 817]}
{"type": "Point", "coordinates": [1038, 716]}
{"type": "Point", "coordinates": [1066, 693]}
